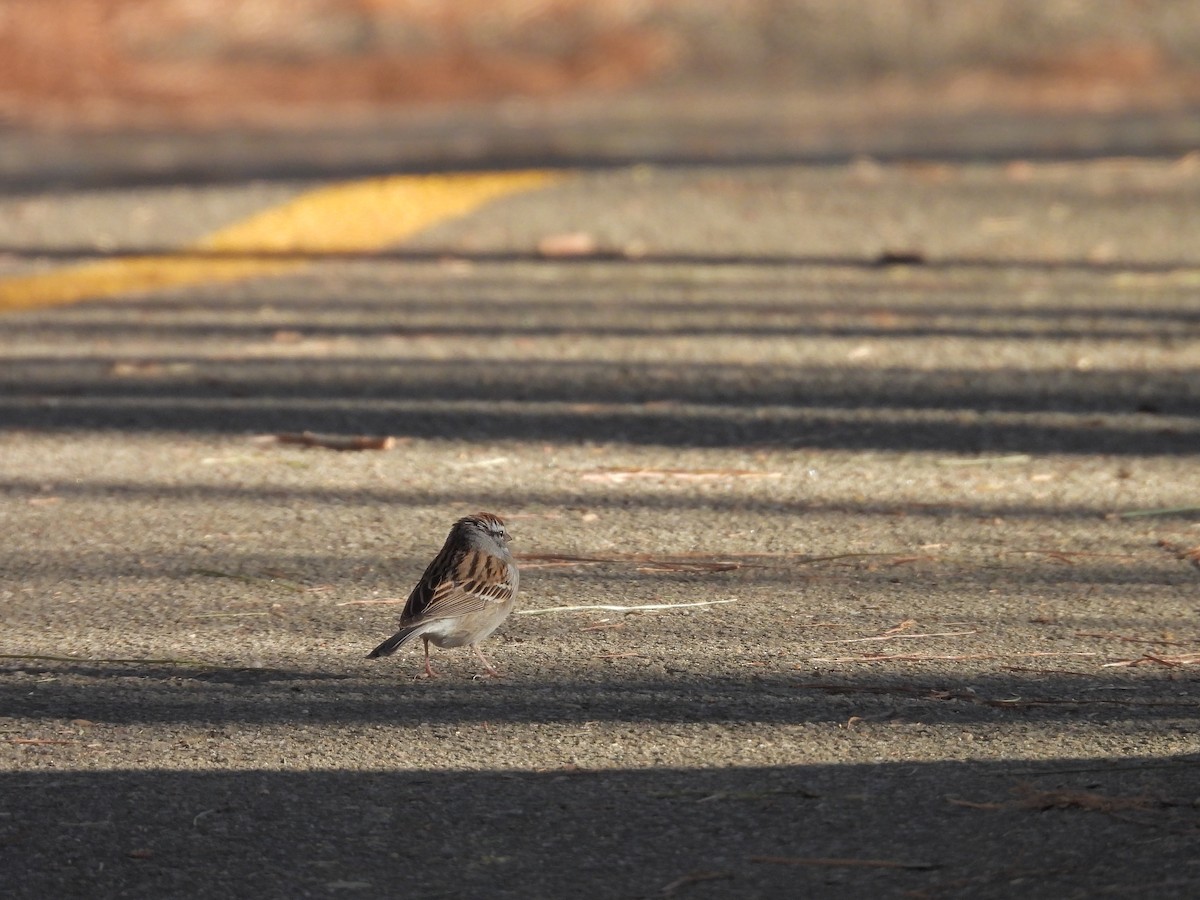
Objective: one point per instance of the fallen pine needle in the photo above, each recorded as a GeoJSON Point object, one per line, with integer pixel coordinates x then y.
{"type": "Point", "coordinates": [860, 688]}
{"type": "Point", "coordinates": [656, 566]}
{"type": "Point", "coordinates": [1046, 671]}
{"type": "Point", "coordinates": [373, 602]}
{"type": "Point", "coordinates": [525, 558]}
{"type": "Point", "coordinates": [837, 862]}
{"type": "Point", "coordinates": [900, 637]}
{"type": "Point", "coordinates": [227, 615]}
{"type": "Point", "coordinates": [902, 657]}
{"type": "Point", "coordinates": [1191, 554]}
{"type": "Point", "coordinates": [629, 655]}
{"type": "Point", "coordinates": [1164, 511]}
{"type": "Point", "coordinates": [972, 697]}
{"type": "Point", "coordinates": [1189, 760]}
{"type": "Point", "coordinates": [668, 890]}
{"type": "Point", "coordinates": [1075, 799]}
{"type": "Point", "coordinates": [1027, 797]}
{"type": "Point", "coordinates": [337, 441]}
{"type": "Point", "coordinates": [974, 804]}
{"type": "Point", "coordinates": [604, 607]}
{"type": "Point", "coordinates": [565, 560]}
{"type": "Point", "coordinates": [804, 560]}
{"type": "Point", "coordinates": [37, 741]}
{"type": "Point", "coordinates": [555, 560]}
{"type": "Point", "coordinates": [1131, 640]}
{"type": "Point", "coordinates": [77, 659]}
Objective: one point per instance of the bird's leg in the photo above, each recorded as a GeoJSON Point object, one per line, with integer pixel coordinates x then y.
{"type": "Point", "coordinates": [429, 673]}
{"type": "Point", "coordinates": [491, 670]}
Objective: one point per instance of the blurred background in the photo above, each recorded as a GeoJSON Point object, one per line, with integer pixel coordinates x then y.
{"type": "Point", "coordinates": [113, 89]}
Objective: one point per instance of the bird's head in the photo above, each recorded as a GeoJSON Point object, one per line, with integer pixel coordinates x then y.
{"type": "Point", "coordinates": [484, 529]}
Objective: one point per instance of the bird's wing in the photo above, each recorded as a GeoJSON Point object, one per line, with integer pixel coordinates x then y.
{"type": "Point", "coordinates": [463, 584]}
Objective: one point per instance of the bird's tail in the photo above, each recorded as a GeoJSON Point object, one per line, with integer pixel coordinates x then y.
{"type": "Point", "coordinates": [394, 643]}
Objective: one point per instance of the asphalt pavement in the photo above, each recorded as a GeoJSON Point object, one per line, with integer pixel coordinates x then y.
{"type": "Point", "coordinates": [875, 481]}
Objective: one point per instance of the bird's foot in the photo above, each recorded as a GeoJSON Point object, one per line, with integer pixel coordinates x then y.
{"type": "Point", "coordinates": [486, 663]}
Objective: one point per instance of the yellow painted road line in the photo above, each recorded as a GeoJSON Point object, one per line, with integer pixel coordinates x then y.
{"type": "Point", "coordinates": [355, 217]}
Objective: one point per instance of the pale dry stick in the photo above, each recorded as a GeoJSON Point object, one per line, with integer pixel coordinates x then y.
{"type": "Point", "coordinates": [204, 813]}
{"type": "Point", "coordinates": [618, 475]}
{"type": "Point", "coordinates": [1187, 659]}
{"type": "Point", "coordinates": [1066, 553]}
{"type": "Point", "coordinates": [488, 463]}
{"type": "Point", "coordinates": [900, 637]}
{"type": "Point", "coordinates": [1009, 460]}
{"type": "Point", "coordinates": [385, 600]}
{"type": "Point", "coordinates": [605, 607]}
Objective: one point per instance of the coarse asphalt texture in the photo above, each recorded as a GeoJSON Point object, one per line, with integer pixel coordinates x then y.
{"type": "Point", "coordinates": [880, 480]}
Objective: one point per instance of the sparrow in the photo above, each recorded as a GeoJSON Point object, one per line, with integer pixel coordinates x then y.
{"type": "Point", "coordinates": [465, 593]}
